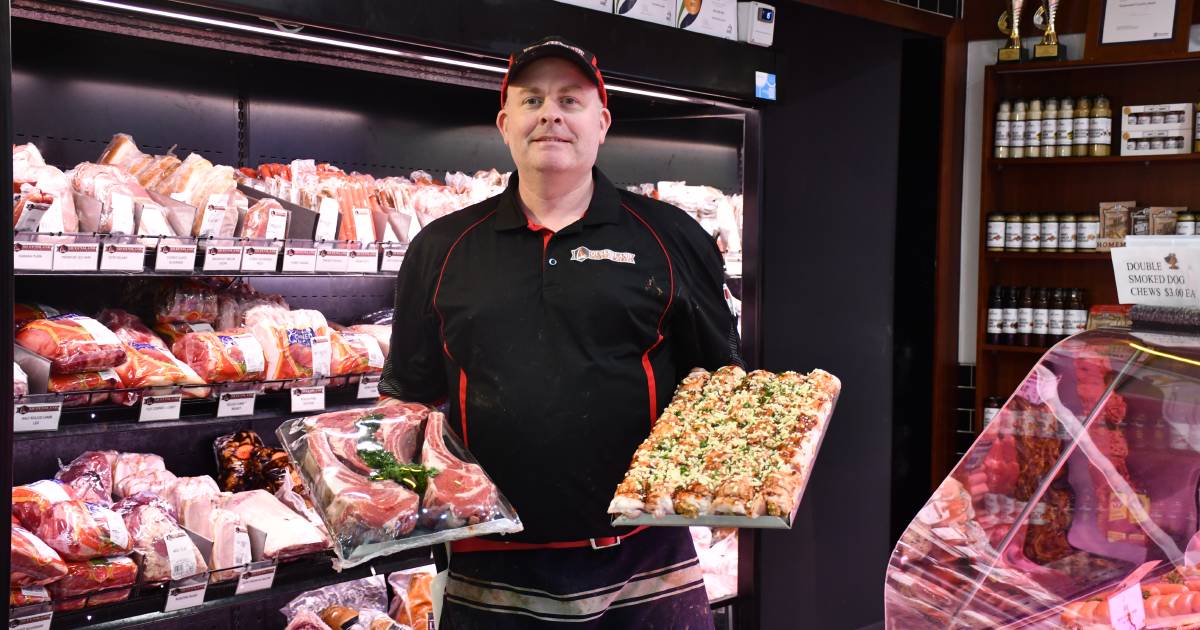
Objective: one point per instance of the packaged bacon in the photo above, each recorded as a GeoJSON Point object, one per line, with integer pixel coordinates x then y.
{"type": "Point", "coordinates": [228, 356]}
{"type": "Point", "coordinates": [29, 595]}
{"type": "Point", "coordinates": [90, 476]}
{"type": "Point", "coordinates": [112, 575]}
{"type": "Point", "coordinates": [100, 382]}
{"type": "Point", "coordinates": [355, 353]}
{"type": "Point", "coordinates": [168, 553]}
{"type": "Point", "coordinates": [187, 301]}
{"type": "Point", "coordinates": [265, 219]}
{"type": "Point", "coordinates": [33, 562]}
{"type": "Point", "coordinates": [73, 343]}
{"type": "Point", "coordinates": [391, 477]}
{"type": "Point", "coordinates": [82, 531]}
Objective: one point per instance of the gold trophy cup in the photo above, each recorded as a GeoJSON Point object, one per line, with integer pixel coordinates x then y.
{"type": "Point", "coordinates": [1049, 49]}
{"type": "Point", "coordinates": [1010, 24]}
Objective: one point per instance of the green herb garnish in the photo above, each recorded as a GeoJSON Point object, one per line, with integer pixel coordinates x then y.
{"type": "Point", "coordinates": [384, 466]}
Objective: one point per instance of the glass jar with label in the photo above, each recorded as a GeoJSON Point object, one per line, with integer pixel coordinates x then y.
{"type": "Point", "coordinates": [1049, 239]}
{"type": "Point", "coordinates": [1050, 128]}
{"type": "Point", "coordinates": [1013, 232]}
{"type": "Point", "coordinates": [1158, 118]}
{"type": "Point", "coordinates": [1003, 121]}
{"type": "Point", "coordinates": [995, 232]}
{"type": "Point", "coordinates": [1186, 224]}
{"type": "Point", "coordinates": [1031, 233]}
{"type": "Point", "coordinates": [1033, 129]}
{"type": "Point", "coordinates": [1083, 118]}
{"type": "Point", "coordinates": [995, 315]}
{"type": "Point", "coordinates": [1157, 144]}
{"type": "Point", "coordinates": [1100, 128]}
{"type": "Point", "coordinates": [1016, 130]}
{"type": "Point", "coordinates": [1066, 127]}
{"type": "Point", "coordinates": [1196, 135]}
{"type": "Point", "coordinates": [1087, 232]}
{"type": "Point", "coordinates": [991, 409]}
{"type": "Point", "coordinates": [1066, 232]}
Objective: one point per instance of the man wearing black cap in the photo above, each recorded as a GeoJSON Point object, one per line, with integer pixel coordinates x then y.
{"type": "Point", "coordinates": [556, 319]}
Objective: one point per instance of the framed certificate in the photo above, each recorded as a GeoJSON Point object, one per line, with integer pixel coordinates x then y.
{"type": "Point", "coordinates": [1130, 30]}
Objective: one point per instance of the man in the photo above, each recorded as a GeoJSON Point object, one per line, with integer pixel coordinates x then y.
{"type": "Point", "coordinates": [556, 318]}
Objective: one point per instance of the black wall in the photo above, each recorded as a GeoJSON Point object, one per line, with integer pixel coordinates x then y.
{"type": "Point", "coordinates": [832, 157]}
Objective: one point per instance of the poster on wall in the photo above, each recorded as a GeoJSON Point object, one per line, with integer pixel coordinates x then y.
{"type": "Point", "coordinates": [1127, 21]}
{"type": "Point", "coordinates": [1135, 30]}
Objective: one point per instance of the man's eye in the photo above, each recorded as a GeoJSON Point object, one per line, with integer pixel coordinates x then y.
{"type": "Point", "coordinates": [570, 100]}
{"type": "Point", "coordinates": [531, 100]}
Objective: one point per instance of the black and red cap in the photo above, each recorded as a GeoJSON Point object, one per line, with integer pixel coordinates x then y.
{"type": "Point", "coordinates": [554, 46]}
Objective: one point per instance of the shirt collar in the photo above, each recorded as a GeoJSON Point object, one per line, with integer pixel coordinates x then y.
{"type": "Point", "coordinates": [605, 206]}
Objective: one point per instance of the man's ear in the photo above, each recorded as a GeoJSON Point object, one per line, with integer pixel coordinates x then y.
{"type": "Point", "coordinates": [605, 123]}
{"type": "Point", "coordinates": [501, 122]}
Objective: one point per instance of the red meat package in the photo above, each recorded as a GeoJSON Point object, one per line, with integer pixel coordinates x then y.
{"type": "Point", "coordinates": [228, 356]}
{"type": "Point", "coordinates": [150, 365]}
{"type": "Point", "coordinates": [188, 302]}
{"type": "Point", "coordinates": [73, 343]}
{"type": "Point", "coordinates": [29, 595]}
{"type": "Point", "coordinates": [32, 502]}
{"type": "Point", "coordinates": [355, 353]}
{"type": "Point", "coordinates": [265, 219]}
{"type": "Point", "coordinates": [82, 531]}
{"type": "Point", "coordinates": [33, 562]}
{"type": "Point", "coordinates": [173, 331]}
{"type": "Point", "coordinates": [101, 381]}
{"type": "Point", "coordinates": [296, 343]}
{"type": "Point", "coordinates": [110, 575]}
{"type": "Point", "coordinates": [381, 333]}
{"type": "Point", "coordinates": [128, 327]}
{"type": "Point", "coordinates": [90, 476]}
{"type": "Point", "coordinates": [168, 552]}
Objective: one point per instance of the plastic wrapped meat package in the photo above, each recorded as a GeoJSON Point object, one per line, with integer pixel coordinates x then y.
{"type": "Point", "coordinates": [125, 465]}
{"type": "Point", "coordinates": [245, 463]}
{"type": "Point", "coordinates": [167, 551]}
{"type": "Point", "coordinates": [76, 530]}
{"type": "Point", "coordinates": [152, 481]}
{"type": "Point", "coordinates": [90, 476]}
{"type": "Point", "coordinates": [29, 595]}
{"type": "Point", "coordinates": [380, 332]}
{"type": "Point", "coordinates": [287, 534]}
{"type": "Point", "coordinates": [33, 562]}
{"type": "Point", "coordinates": [36, 182]}
{"type": "Point", "coordinates": [296, 343]}
{"type": "Point", "coordinates": [187, 302]}
{"type": "Point", "coordinates": [718, 553]}
{"type": "Point", "coordinates": [94, 582]}
{"type": "Point", "coordinates": [391, 477]}
{"type": "Point", "coordinates": [150, 362]}
{"type": "Point", "coordinates": [73, 343]}
{"type": "Point", "coordinates": [225, 357]}
{"type": "Point", "coordinates": [266, 219]}
{"type": "Point", "coordinates": [356, 353]}
{"type": "Point", "coordinates": [20, 381]}
{"type": "Point", "coordinates": [101, 382]}
{"type": "Point", "coordinates": [355, 605]}
{"type": "Point", "coordinates": [412, 603]}
{"type": "Point", "coordinates": [23, 313]}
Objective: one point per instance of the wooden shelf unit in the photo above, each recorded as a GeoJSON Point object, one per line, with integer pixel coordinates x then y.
{"type": "Point", "coordinates": [1074, 184]}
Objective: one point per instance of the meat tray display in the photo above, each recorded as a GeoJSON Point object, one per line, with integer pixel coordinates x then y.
{"type": "Point", "coordinates": [73, 343]}
{"type": "Point", "coordinates": [729, 444]}
{"type": "Point", "coordinates": [392, 477]}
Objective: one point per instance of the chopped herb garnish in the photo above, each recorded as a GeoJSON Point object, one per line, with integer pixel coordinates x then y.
{"type": "Point", "coordinates": [384, 465]}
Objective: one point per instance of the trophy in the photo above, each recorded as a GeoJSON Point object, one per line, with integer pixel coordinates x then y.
{"type": "Point", "coordinates": [1010, 24]}
{"type": "Point", "coordinates": [1049, 49]}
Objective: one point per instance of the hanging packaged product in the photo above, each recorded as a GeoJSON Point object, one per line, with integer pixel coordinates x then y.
{"type": "Point", "coordinates": [381, 487]}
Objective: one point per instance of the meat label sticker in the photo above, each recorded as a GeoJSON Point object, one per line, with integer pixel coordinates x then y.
{"type": "Point", "coordinates": [363, 261]}
{"type": "Point", "coordinates": [35, 621]}
{"type": "Point", "coordinates": [111, 522]}
{"type": "Point", "coordinates": [31, 217]}
{"type": "Point", "coordinates": [308, 399]}
{"type": "Point", "coordinates": [299, 259]}
{"type": "Point", "coordinates": [175, 257]}
{"type": "Point", "coordinates": [181, 553]}
{"type": "Point", "coordinates": [393, 257]}
{"type": "Point", "coordinates": [241, 547]}
{"type": "Point", "coordinates": [156, 408]}
{"type": "Point", "coordinates": [222, 258]}
{"type": "Point", "coordinates": [33, 256]}
{"type": "Point", "coordinates": [256, 579]}
{"type": "Point", "coordinates": [276, 223]}
{"type": "Point", "coordinates": [98, 331]}
{"type": "Point", "coordinates": [123, 257]}
{"type": "Point", "coordinates": [332, 260]}
{"type": "Point", "coordinates": [234, 404]}
{"type": "Point", "coordinates": [322, 355]}
{"type": "Point", "coordinates": [181, 597]}
{"type": "Point", "coordinates": [252, 352]}
{"type": "Point", "coordinates": [368, 386]}
{"type": "Point", "coordinates": [36, 416]}
{"type": "Point", "coordinates": [200, 327]}
{"type": "Point", "coordinates": [76, 256]}
{"type": "Point", "coordinates": [327, 216]}
{"type": "Point", "coordinates": [375, 357]}
{"type": "Point", "coordinates": [50, 490]}
{"type": "Point", "coordinates": [258, 258]}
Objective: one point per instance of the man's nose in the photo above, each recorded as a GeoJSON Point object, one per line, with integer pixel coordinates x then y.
{"type": "Point", "coordinates": [551, 113]}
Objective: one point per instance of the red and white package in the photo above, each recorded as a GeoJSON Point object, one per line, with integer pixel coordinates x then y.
{"type": "Point", "coordinates": [73, 343]}
{"type": "Point", "coordinates": [412, 604]}
{"type": "Point", "coordinates": [265, 219]}
{"type": "Point", "coordinates": [33, 562]}
{"type": "Point", "coordinates": [29, 595]}
{"type": "Point", "coordinates": [82, 531]}
{"type": "Point", "coordinates": [187, 302]}
{"type": "Point", "coordinates": [355, 353]}
{"type": "Point", "coordinates": [381, 333]}
{"type": "Point", "coordinates": [128, 327]}
{"type": "Point", "coordinates": [32, 502]}
{"type": "Point", "coordinates": [110, 575]}
{"type": "Point", "coordinates": [228, 356]}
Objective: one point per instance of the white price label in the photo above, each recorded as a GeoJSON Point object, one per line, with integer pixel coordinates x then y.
{"type": "Point", "coordinates": [221, 258]}
{"type": "Point", "coordinates": [175, 258]}
{"type": "Point", "coordinates": [31, 217]}
{"type": "Point", "coordinates": [299, 259]}
{"type": "Point", "coordinates": [364, 227]}
{"type": "Point", "coordinates": [392, 258]}
{"type": "Point", "coordinates": [308, 399]}
{"type": "Point", "coordinates": [214, 216]}
{"type": "Point", "coordinates": [36, 621]}
{"type": "Point", "coordinates": [241, 546]}
{"type": "Point", "coordinates": [36, 416]}
{"type": "Point", "coordinates": [76, 256]}
{"type": "Point", "coordinates": [322, 355]}
{"type": "Point", "coordinates": [181, 597]}
{"type": "Point", "coordinates": [33, 256]}
{"type": "Point", "coordinates": [160, 408]}
{"type": "Point", "coordinates": [363, 261]}
{"type": "Point", "coordinates": [368, 386]}
{"type": "Point", "coordinates": [260, 258]}
{"type": "Point", "coordinates": [1127, 609]}
{"type": "Point", "coordinates": [256, 580]}
{"type": "Point", "coordinates": [200, 327]}
{"type": "Point", "coordinates": [276, 223]}
{"type": "Point", "coordinates": [236, 404]}
{"type": "Point", "coordinates": [121, 207]}
{"type": "Point", "coordinates": [123, 257]}
{"type": "Point", "coordinates": [327, 217]}
{"type": "Point", "coordinates": [332, 260]}
{"type": "Point", "coordinates": [181, 553]}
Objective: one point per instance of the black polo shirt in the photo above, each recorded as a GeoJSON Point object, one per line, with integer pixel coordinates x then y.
{"type": "Point", "coordinates": [557, 351]}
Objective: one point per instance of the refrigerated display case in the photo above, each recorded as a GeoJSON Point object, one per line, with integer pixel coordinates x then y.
{"type": "Point", "coordinates": [1078, 501]}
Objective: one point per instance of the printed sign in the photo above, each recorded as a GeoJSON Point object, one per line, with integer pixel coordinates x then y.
{"type": "Point", "coordinates": [368, 386]}
{"type": "Point", "coordinates": [1165, 275]}
{"type": "Point", "coordinates": [258, 258]}
{"type": "Point", "coordinates": [156, 408]}
{"type": "Point", "coordinates": [175, 257]}
{"type": "Point", "coordinates": [33, 256]}
{"type": "Point", "coordinates": [36, 416]}
{"type": "Point", "coordinates": [76, 256]}
{"type": "Point", "coordinates": [299, 259]}
{"type": "Point", "coordinates": [222, 258]}
{"type": "Point", "coordinates": [234, 404]}
{"type": "Point", "coordinates": [123, 257]}
{"type": "Point", "coordinates": [308, 399]}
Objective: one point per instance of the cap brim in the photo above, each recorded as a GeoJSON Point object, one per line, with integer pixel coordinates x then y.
{"type": "Point", "coordinates": [543, 52]}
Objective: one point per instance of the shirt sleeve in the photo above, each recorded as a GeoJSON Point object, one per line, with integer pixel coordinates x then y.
{"type": "Point", "coordinates": [415, 369]}
{"type": "Point", "coordinates": [706, 330]}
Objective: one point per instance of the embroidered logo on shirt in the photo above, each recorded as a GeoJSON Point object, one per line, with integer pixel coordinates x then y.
{"type": "Point", "coordinates": [580, 254]}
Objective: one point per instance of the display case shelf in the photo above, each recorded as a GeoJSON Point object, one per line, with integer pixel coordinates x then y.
{"type": "Point", "coordinates": [1014, 349]}
{"type": "Point", "coordinates": [1148, 160]}
{"type": "Point", "coordinates": [1049, 256]}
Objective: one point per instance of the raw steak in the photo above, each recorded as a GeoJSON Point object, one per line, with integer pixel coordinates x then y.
{"type": "Point", "coordinates": [460, 494]}
{"type": "Point", "coordinates": [356, 507]}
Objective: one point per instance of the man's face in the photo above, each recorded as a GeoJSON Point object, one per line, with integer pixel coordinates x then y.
{"type": "Point", "coordinates": [553, 120]}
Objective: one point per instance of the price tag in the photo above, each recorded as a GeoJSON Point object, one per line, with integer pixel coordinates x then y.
{"type": "Point", "coordinates": [256, 580]}
{"type": "Point", "coordinates": [364, 226]}
{"type": "Point", "coordinates": [76, 256]}
{"type": "Point", "coordinates": [181, 597]}
{"type": "Point", "coordinates": [36, 416]}
{"type": "Point", "coordinates": [299, 259]}
{"type": "Point", "coordinates": [175, 258]}
{"type": "Point", "coordinates": [222, 258]}
{"type": "Point", "coordinates": [214, 216]}
{"type": "Point", "coordinates": [1127, 609]}
{"type": "Point", "coordinates": [308, 399]}
{"type": "Point", "coordinates": [34, 256]}
{"type": "Point", "coordinates": [234, 404]}
{"type": "Point", "coordinates": [363, 261]}
{"type": "Point", "coordinates": [123, 257]}
{"type": "Point", "coordinates": [257, 258]}
{"type": "Point", "coordinates": [330, 259]}
{"type": "Point", "coordinates": [368, 386]}
{"type": "Point", "coordinates": [121, 207]}
{"type": "Point", "coordinates": [160, 408]}
{"type": "Point", "coordinates": [277, 219]}
{"type": "Point", "coordinates": [327, 218]}
{"type": "Point", "coordinates": [31, 217]}
{"type": "Point", "coordinates": [35, 621]}
{"type": "Point", "coordinates": [392, 258]}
